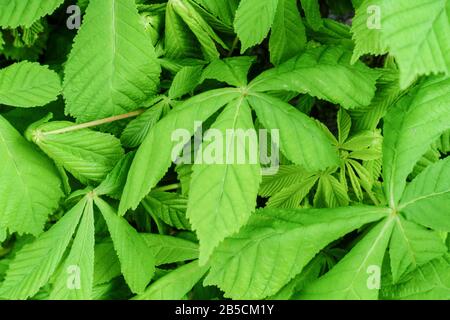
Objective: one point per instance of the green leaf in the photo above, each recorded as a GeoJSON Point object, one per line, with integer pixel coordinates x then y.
{"type": "Point", "coordinates": [429, 282]}
{"type": "Point", "coordinates": [136, 131]}
{"type": "Point", "coordinates": [252, 28]}
{"type": "Point", "coordinates": [87, 154]}
{"type": "Point", "coordinates": [76, 278]}
{"type": "Point", "coordinates": [232, 185]}
{"type": "Point", "coordinates": [426, 50]}
{"type": "Point", "coordinates": [26, 84]}
{"type": "Point", "coordinates": [176, 284]}
{"type": "Point", "coordinates": [169, 207]}
{"type": "Point", "coordinates": [137, 260]}
{"type": "Point", "coordinates": [185, 81]}
{"type": "Point", "coordinates": [312, 13]}
{"type": "Point", "coordinates": [158, 145]}
{"type": "Point", "coordinates": [25, 200]}
{"type": "Point", "coordinates": [169, 249]}
{"type": "Point", "coordinates": [33, 265]}
{"type": "Point", "coordinates": [232, 71]}
{"type": "Point", "coordinates": [415, 122]}
{"type": "Point", "coordinates": [358, 274]}
{"type": "Point", "coordinates": [112, 67]}
{"type": "Point", "coordinates": [115, 180]}
{"type": "Point", "coordinates": [412, 246]}
{"type": "Point", "coordinates": [14, 13]}
{"type": "Point", "coordinates": [324, 72]}
{"type": "Point", "coordinates": [275, 246]}
{"type": "Point", "coordinates": [288, 36]}
{"type": "Point", "coordinates": [301, 139]}
{"type": "Point", "coordinates": [106, 265]}
{"type": "Point", "coordinates": [286, 176]}
{"type": "Point", "coordinates": [331, 193]}
{"type": "Point", "coordinates": [426, 200]}
{"type": "Point", "coordinates": [291, 196]}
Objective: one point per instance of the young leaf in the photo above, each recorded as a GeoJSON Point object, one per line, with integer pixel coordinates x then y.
{"type": "Point", "coordinates": [112, 67]}
{"type": "Point", "coordinates": [27, 84]}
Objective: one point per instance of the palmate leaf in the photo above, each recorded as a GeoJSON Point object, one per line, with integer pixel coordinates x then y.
{"type": "Point", "coordinates": [27, 84]}
{"type": "Point", "coordinates": [427, 198]}
{"type": "Point", "coordinates": [87, 154]}
{"type": "Point", "coordinates": [275, 246]}
{"type": "Point", "coordinates": [30, 186]}
{"type": "Point", "coordinates": [176, 284]}
{"type": "Point", "coordinates": [159, 146]}
{"type": "Point", "coordinates": [416, 121]}
{"type": "Point", "coordinates": [252, 28]}
{"type": "Point", "coordinates": [14, 13]}
{"type": "Point", "coordinates": [35, 262]}
{"type": "Point", "coordinates": [412, 246]}
{"type": "Point", "coordinates": [112, 67]}
{"type": "Point", "coordinates": [232, 71]}
{"type": "Point", "coordinates": [79, 263]}
{"type": "Point", "coordinates": [324, 72]}
{"type": "Point", "coordinates": [137, 260]}
{"type": "Point", "coordinates": [232, 186]}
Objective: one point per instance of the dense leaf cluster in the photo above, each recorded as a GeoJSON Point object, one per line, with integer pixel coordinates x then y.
{"type": "Point", "coordinates": [93, 205]}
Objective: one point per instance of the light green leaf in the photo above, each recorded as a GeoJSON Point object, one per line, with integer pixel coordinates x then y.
{"type": "Point", "coordinates": [358, 274]}
{"type": "Point", "coordinates": [169, 249]}
{"type": "Point", "coordinates": [253, 21]}
{"type": "Point", "coordinates": [418, 41]}
{"type": "Point", "coordinates": [185, 81]}
{"type": "Point", "coordinates": [115, 180]}
{"type": "Point", "coordinates": [232, 185]}
{"type": "Point", "coordinates": [291, 196]}
{"type": "Point", "coordinates": [137, 260]}
{"type": "Point", "coordinates": [412, 246]}
{"type": "Point", "coordinates": [324, 72]}
{"type": "Point", "coordinates": [159, 146]}
{"type": "Point", "coordinates": [286, 176]}
{"type": "Point", "coordinates": [169, 207]}
{"type": "Point", "coordinates": [232, 71]}
{"type": "Point", "coordinates": [301, 139]}
{"type": "Point", "coordinates": [331, 193]}
{"type": "Point", "coordinates": [176, 284]}
{"type": "Point", "coordinates": [275, 246]}
{"type": "Point", "coordinates": [77, 275]}
{"type": "Point", "coordinates": [14, 13]}
{"type": "Point", "coordinates": [107, 265]}
{"type": "Point", "coordinates": [33, 265]}
{"type": "Point", "coordinates": [415, 122]}
{"type": "Point", "coordinates": [288, 36]}
{"type": "Point", "coordinates": [88, 155]}
{"type": "Point", "coordinates": [429, 282]}
{"type": "Point", "coordinates": [312, 13]}
{"type": "Point", "coordinates": [112, 67]}
{"type": "Point", "coordinates": [30, 187]}
{"type": "Point", "coordinates": [426, 200]}
{"type": "Point", "coordinates": [26, 84]}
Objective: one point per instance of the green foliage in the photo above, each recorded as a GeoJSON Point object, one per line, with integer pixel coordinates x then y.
{"type": "Point", "coordinates": [210, 149]}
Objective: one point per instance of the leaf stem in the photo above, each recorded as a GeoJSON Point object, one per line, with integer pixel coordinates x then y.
{"type": "Point", "coordinates": [233, 47]}
{"type": "Point", "coordinates": [94, 123]}
{"type": "Point", "coordinates": [170, 187]}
